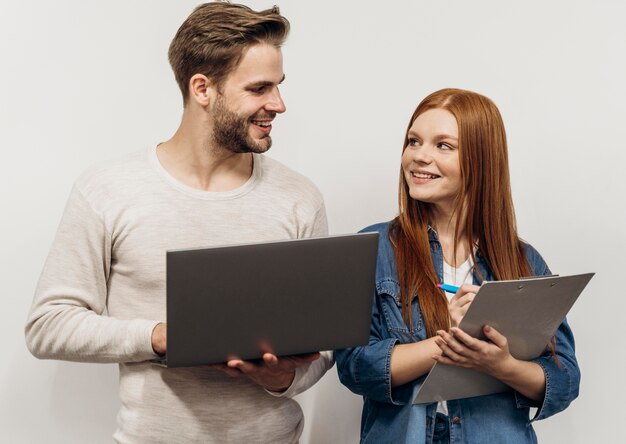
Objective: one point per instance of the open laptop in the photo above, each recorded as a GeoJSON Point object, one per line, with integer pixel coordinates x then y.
{"type": "Point", "coordinates": [285, 297]}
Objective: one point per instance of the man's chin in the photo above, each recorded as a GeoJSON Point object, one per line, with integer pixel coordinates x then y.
{"type": "Point", "coordinates": [260, 146]}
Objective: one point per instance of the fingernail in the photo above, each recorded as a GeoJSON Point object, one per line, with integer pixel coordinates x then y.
{"type": "Point", "coordinates": [487, 328]}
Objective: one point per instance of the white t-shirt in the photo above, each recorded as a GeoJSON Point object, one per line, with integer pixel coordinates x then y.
{"type": "Point", "coordinates": [457, 277]}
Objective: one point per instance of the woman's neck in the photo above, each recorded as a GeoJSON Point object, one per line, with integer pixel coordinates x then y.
{"type": "Point", "coordinates": [445, 223]}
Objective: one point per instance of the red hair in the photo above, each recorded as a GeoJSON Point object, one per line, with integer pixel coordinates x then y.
{"type": "Point", "coordinates": [484, 202]}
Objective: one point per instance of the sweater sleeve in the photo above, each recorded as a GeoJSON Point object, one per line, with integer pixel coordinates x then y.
{"type": "Point", "coordinates": [307, 375]}
{"type": "Point", "coordinates": [67, 320]}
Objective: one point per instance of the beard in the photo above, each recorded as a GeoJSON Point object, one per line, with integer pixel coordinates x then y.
{"type": "Point", "coordinates": [230, 131]}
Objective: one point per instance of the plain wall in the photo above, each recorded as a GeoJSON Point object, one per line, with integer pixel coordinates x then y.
{"type": "Point", "coordinates": [83, 81]}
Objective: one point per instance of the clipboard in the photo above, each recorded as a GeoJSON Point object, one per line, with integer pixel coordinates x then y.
{"type": "Point", "coordinates": [527, 311]}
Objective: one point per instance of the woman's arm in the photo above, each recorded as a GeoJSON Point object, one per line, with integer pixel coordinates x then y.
{"type": "Point", "coordinates": [410, 361]}
{"type": "Point", "coordinates": [384, 369]}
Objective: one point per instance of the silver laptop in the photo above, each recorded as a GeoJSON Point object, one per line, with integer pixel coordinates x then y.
{"type": "Point", "coordinates": [288, 297]}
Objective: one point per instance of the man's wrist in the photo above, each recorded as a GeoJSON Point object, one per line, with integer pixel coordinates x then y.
{"type": "Point", "coordinates": [282, 383]}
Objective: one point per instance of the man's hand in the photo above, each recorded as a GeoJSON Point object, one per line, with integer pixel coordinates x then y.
{"type": "Point", "coordinates": [272, 373]}
{"type": "Point", "coordinates": [159, 343]}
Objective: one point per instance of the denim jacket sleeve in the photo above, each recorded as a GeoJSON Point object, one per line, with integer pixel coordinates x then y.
{"type": "Point", "coordinates": [366, 370]}
{"type": "Point", "coordinates": [562, 374]}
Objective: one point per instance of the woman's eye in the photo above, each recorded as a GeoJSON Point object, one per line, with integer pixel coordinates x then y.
{"type": "Point", "coordinates": [444, 146]}
{"type": "Point", "coordinates": [412, 142]}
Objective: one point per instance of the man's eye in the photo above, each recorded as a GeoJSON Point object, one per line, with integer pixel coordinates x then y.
{"type": "Point", "coordinates": [259, 90]}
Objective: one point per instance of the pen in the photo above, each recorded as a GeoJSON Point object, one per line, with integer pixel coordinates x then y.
{"type": "Point", "coordinates": [448, 288]}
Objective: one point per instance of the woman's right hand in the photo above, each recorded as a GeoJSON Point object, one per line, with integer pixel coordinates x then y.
{"type": "Point", "coordinates": [460, 302]}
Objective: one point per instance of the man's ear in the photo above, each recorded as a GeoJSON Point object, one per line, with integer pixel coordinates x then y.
{"type": "Point", "coordinates": [201, 90]}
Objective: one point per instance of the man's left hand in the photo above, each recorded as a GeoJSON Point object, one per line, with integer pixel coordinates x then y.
{"type": "Point", "coordinates": [272, 373]}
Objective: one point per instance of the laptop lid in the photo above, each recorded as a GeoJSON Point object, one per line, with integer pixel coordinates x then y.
{"type": "Point", "coordinates": [286, 297]}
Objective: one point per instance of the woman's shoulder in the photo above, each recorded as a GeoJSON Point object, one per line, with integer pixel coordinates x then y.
{"type": "Point", "coordinates": [381, 227]}
{"type": "Point", "coordinates": [384, 240]}
{"type": "Point", "coordinates": [386, 263]}
{"type": "Point", "coordinates": [538, 265]}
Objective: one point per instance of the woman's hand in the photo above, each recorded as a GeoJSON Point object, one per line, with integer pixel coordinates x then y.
{"type": "Point", "coordinates": [491, 356]}
{"type": "Point", "coordinates": [460, 302]}
{"type": "Point", "coordinates": [460, 349]}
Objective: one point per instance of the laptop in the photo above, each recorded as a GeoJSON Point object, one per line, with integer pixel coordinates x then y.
{"type": "Point", "coordinates": [286, 297]}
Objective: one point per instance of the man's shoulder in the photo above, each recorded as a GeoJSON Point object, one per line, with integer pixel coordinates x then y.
{"type": "Point", "coordinates": [286, 179]}
{"type": "Point", "coordinates": [111, 170]}
{"type": "Point", "coordinates": [120, 172]}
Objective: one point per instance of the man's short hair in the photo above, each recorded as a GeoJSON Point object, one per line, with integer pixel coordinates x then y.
{"type": "Point", "coordinates": [211, 41]}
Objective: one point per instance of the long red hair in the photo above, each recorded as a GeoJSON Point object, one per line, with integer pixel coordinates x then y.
{"type": "Point", "coordinates": [483, 209]}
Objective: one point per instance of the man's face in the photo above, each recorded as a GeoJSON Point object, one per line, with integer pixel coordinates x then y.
{"type": "Point", "coordinates": [243, 111]}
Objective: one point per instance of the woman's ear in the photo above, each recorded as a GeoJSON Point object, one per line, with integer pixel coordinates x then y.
{"type": "Point", "coordinates": [201, 90]}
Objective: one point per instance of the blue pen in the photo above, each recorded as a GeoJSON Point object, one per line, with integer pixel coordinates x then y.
{"type": "Point", "coordinates": [448, 288]}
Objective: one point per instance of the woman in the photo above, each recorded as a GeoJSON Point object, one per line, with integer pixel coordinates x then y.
{"type": "Point", "coordinates": [456, 225]}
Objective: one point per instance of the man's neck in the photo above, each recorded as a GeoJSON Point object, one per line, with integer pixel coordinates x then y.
{"type": "Point", "coordinates": [189, 157]}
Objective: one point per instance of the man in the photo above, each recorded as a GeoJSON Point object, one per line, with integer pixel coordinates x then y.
{"type": "Point", "coordinates": [208, 185]}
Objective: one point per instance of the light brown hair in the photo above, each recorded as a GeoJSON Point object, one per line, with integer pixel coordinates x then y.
{"type": "Point", "coordinates": [212, 40]}
{"type": "Point", "coordinates": [484, 199]}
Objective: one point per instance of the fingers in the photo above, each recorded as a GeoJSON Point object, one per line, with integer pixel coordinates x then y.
{"type": "Point", "coordinates": [290, 361]}
{"type": "Point", "coordinates": [245, 367]}
{"type": "Point", "coordinates": [467, 340]}
{"type": "Point", "coordinates": [270, 364]}
{"type": "Point", "coordinates": [495, 336]}
{"type": "Point", "coordinates": [450, 346]}
{"type": "Point", "coordinates": [469, 288]}
{"type": "Point", "coordinates": [225, 369]}
{"type": "Point", "coordinates": [465, 289]}
{"type": "Point", "coordinates": [270, 359]}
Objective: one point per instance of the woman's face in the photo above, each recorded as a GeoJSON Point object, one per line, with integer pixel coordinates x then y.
{"type": "Point", "coordinates": [430, 161]}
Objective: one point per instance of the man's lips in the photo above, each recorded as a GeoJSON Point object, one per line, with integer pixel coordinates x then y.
{"type": "Point", "coordinates": [264, 126]}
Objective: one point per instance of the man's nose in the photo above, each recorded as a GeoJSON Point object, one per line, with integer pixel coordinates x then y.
{"type": "Point", "coordinates": [275, 102]}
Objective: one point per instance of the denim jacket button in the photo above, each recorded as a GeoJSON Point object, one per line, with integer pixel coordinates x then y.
{"type": "Point", "coordinates": [456, 420]}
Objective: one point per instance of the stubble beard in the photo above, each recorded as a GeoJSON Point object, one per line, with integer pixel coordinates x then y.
{"type": "Point", "coordinates": [230, 131]}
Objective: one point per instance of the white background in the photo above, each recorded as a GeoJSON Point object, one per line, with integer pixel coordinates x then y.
{"type": "Point", "coordinates": [83, 81]}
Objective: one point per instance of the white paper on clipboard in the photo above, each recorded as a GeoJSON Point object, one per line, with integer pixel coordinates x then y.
{"type": "Point", "coordinates": [528, 312]}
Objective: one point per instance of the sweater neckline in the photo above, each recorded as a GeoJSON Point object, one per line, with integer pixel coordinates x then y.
{"type": "Point", "coordinates": [257, 161]}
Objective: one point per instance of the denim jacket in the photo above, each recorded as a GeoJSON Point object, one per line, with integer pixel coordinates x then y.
{"type": "Point", "coordinates": [388, 413]}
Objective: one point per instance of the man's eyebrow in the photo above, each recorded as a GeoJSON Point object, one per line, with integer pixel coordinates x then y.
{"type": "Point", "coordinates": [261, 83]}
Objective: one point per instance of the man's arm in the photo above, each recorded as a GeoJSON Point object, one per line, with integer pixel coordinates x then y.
{"type": "Point", "coordinates": [66, 318]}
